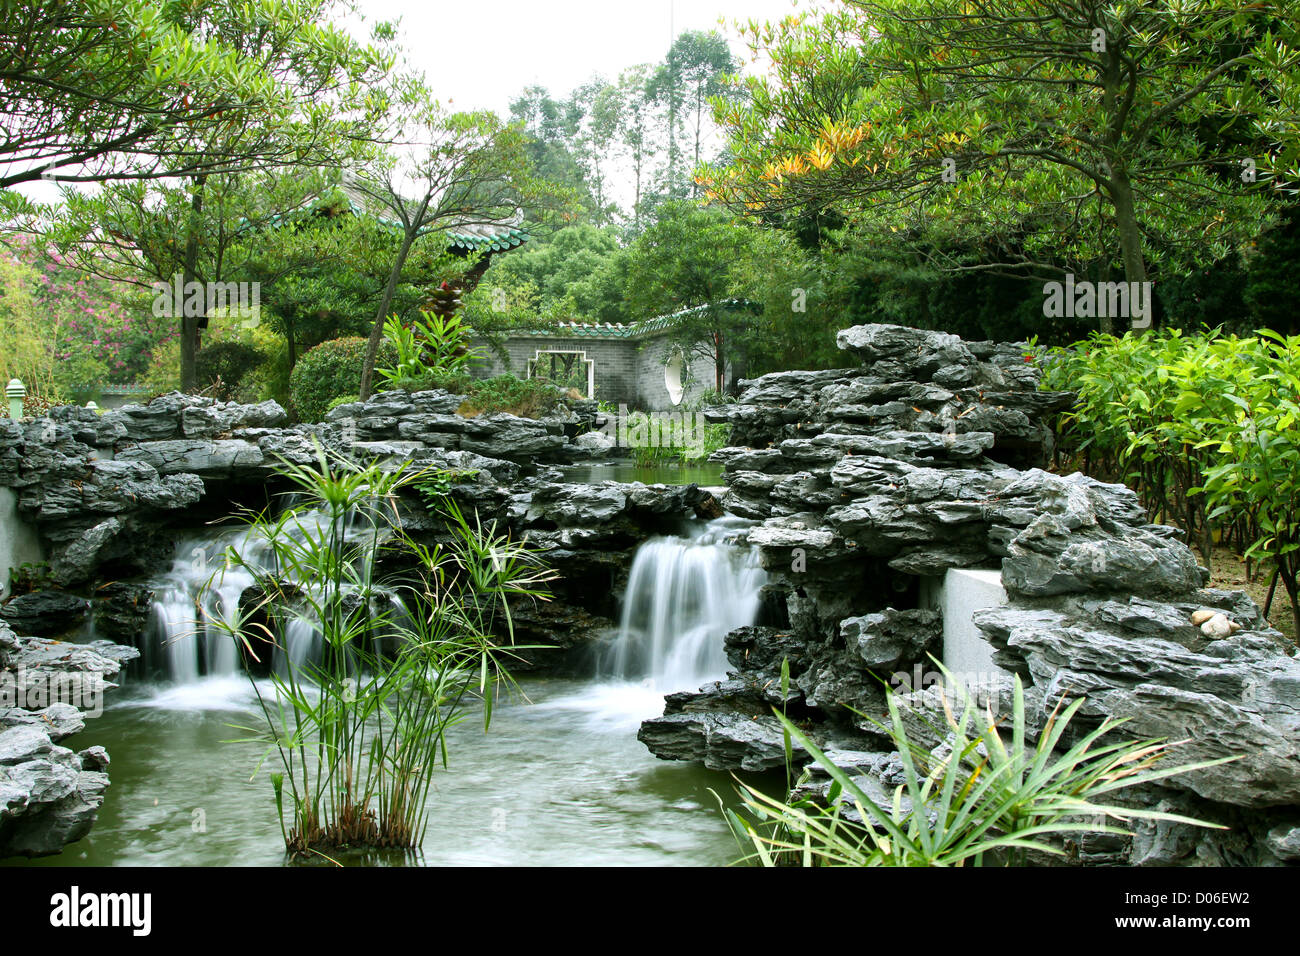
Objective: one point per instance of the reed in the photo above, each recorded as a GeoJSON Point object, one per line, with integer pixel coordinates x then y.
{"type": "Point", "coordinates": [359, 732]}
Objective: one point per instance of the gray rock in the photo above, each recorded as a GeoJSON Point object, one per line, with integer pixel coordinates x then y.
{"type": "Point", "coordinates": [210, 458]}
{"type": "Point", "coordinates": [719, 741]}
{"type": "Point", "coordinates": [79, 558]}
{"type": "Point", "coordinates": [1284, 842]}
{"type": "Point", "coordinates": [44, 613]}
{"type": "Point", "coordinates": [892, 638]}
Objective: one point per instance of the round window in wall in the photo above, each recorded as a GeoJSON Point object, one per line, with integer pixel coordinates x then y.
{"type": "Point", "coordinates": [673, 372]}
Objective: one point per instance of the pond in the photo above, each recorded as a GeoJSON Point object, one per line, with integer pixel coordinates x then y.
{"type": "Point", "coordinates": [559, 779]}
{"type": "Point", "coordinates": [705, 474]}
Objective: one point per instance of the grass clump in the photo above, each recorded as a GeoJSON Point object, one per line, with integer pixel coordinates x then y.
{"type": "Point", "coordinates": [989, 797]}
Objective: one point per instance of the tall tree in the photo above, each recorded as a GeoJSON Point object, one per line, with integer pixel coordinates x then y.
{"type": "Point", "coordinates": [1077, 129]}
{"type": "Point", "coordinates": [692, 75]}
{"type": "Point", "coordinates": [685, 262]}
{"type": "Point", "coordinates": [466, 169]}
{"type": "Point", "coordinates": [637, 132]}
{"type": "Point", "coordinates": [99, 90]}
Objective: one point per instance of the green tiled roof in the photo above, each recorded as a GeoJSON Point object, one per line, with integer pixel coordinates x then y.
{"type": "Point", "coordinates": [470, 235]}
{"type": "Point", "coordinates": [632, 330]}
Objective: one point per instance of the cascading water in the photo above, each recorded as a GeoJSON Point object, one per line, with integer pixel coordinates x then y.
{"type": "Point", "coordinates": [185, 646]}
{"type": "Point", "coordinates": [683, 595]}
{"type": "Point", "coordinates": [202, 587]}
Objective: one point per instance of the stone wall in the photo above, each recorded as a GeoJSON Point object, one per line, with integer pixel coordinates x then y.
{"type": "Point", "coordinates": [868, 481]}
{"type": "Point", "coordinates": [628, 369]}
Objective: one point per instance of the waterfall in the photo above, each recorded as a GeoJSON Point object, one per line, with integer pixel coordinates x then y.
{"type": "Point", "coordinates": [184, 644]}
{"type": "Point", "coordinates": [202, 587]}
{"type": "Point", "coordinates": [683, 595]}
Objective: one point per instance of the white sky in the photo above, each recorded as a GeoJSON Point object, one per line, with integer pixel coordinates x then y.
{"type": "Point", "coordinates": [481, 54]}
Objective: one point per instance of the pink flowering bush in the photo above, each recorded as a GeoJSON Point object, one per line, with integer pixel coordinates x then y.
{"type": "Point", "coordinates": [99, 331]}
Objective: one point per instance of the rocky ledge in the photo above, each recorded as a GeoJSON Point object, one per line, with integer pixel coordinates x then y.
{"type": "Point", "coordinates": [49, 795]}
{"type": "Point", "coordinates": [869, 484]}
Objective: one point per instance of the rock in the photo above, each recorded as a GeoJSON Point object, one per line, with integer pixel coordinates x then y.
{"type": "Point", "coordinates": [719, 741]}
{"type": "Point", "coordinates": [1219, 626]}
{"type": "Point", "coordinates": [78, 559]}
{"type": "Point", "coordinates": [157, 421]}
{"type": "Point", "coordinates": [209, 421]}
{"type": "Point", "coordinates": [44, 613]}
{"type": "Point", "coordinates": [891, 638]}
{"type": "Point", "coordinates": [211, 458]}
{"type": "Point", "coordinates": [596, 444]}
{"type": "Point", "coordinates": [1283, 841]}
{"type": "Point", "coordinates": [56, 721]}
{"type": "Point", "coordinates": [22, 743]}
{"type": "Point", "coordinates": [1050, 558]}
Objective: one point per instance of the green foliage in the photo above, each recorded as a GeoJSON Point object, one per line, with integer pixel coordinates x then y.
{"type": "Point", "coordinates": [526, 397]}
{"type": "Point", "coordinates": [431, 344]}
{"type": "Point", "coordinates": [436, 485]}
{"type": "Point", "coordinates": [30, 576]}
{"type": "Point", "coordinates": [1046, 134]}
{"type": "Point", "coordinates": [360, 733]}
{"type": "Point", "coordinates": [26, 343]}
{"type": "Point", "coordinates": [328, 371]}
{"type": "Point", "coordinates": [990, 797]}
{"type": "Point", "coordinates": [223, 365]}
{"type": "Point", "coordinates": [121, 88]}
{"type": "Point", "coordinates": [1205, 427]}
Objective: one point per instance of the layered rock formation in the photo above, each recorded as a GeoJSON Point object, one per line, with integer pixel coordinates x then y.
{"type": "Point", "coordinates": [870, 483]}
{"type": "Point", "coordinates": [49, 796]}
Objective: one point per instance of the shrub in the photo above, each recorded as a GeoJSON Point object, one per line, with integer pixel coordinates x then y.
{"type": "Point", "coordinates": [988, 797]}
{"type": "Point", "coordinates": [329, 371]}
{"type": "Point", "coordinates": [163, 373]}
{"type": "Point", "coordinates": [1205, 427]}
{"type": "Point", "coordinates": [525, 397]}
{"type": "Point", "coordinates": [432, 343]}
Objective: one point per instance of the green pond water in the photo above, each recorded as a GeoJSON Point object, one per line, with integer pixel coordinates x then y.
{"type": "Point", "coordinates": [558, 780]}
{"type": "Point", "coordinates": [703, 474]}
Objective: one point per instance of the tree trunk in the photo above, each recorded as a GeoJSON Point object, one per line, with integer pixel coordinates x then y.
{"type": "Point", "coordinates": [719, 363]}
{"type": "Point", "coordinates": [190, 323]}
{"type": "Point", "coordinates": [1130, 235]}
{"type": "Point", "coordinates": [291, 343]}
{"type": "Point", "coordinates": [390, 290]}
{"type": "Point", "coordinates": [1107, 320]}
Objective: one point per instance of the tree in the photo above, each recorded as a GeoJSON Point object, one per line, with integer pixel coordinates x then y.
{"type": "Point", "coordinates": [637, 131]}
{"type": "Point", "coordinates": [558, 267]}
{"type": "Point", "coordinates": [100, 90]}
{"type": "Point", "coordinates": [691, 76]}
{"type": "Point", "coordinates": [1076, 129]}
{"type": "Point", "coordinates": [470, 169]}
{"type": "Point", "coordinates": [684, 263]}
{"type": "Point", "coordinates": [553, 128]}
{"type": "Point", "coordinates": [326, 103]}
{"type": "Point", "coordinates": [145, 233]}
{"type": "Point", "coordinates": [596, 142]}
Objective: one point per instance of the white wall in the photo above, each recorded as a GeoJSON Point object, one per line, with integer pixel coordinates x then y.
{"type": "Point", "coordinates": [18, 540]}
{"type": "Point", "coordinates": [966, 652]}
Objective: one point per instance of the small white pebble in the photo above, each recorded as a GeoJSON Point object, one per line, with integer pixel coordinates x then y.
{"type": "Point", "coordinates": [1217, 626]}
